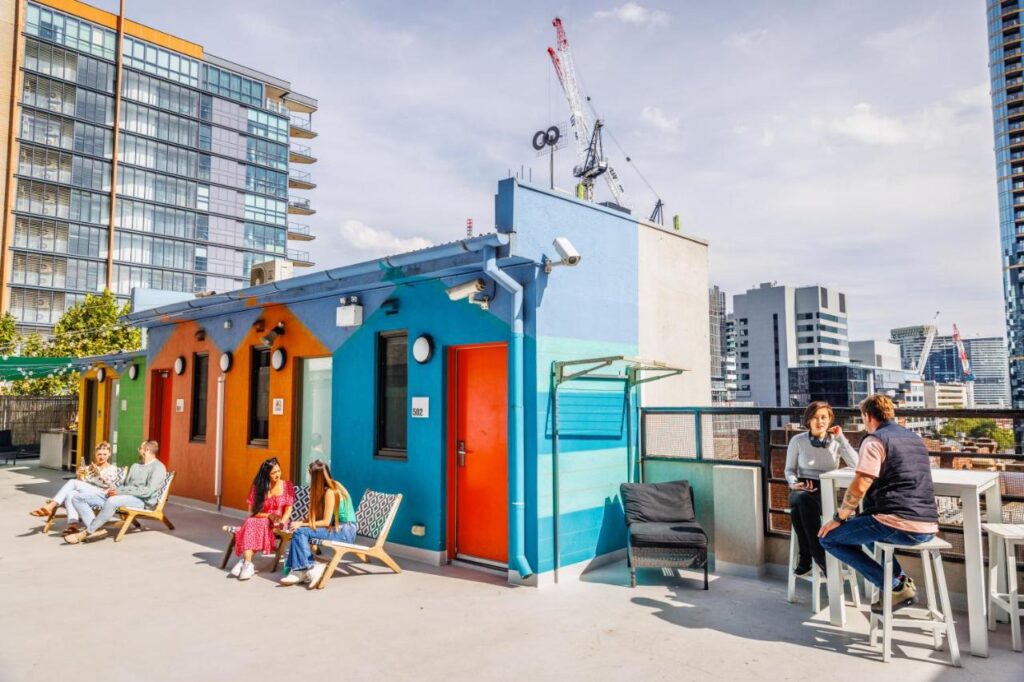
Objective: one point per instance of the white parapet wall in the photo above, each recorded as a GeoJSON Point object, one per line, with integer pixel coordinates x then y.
{"type": "Point", "coordinates": [739, 521]}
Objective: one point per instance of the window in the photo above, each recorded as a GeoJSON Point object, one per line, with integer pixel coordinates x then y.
{"type": "Point", "coordinates": [259, 396]}
{"type": "Point", "coordinates": [232, 86]}
{"type": "Point", "coordinates": [392, 392]}
{"type": "Point", "coordinates": [200, 384]}
{"type": "Point", "coordinates": [160, 62]}
{"type": "Point", "coordinates": [842, 303]}
{"type": "Point", "coordinates": [824, 297]}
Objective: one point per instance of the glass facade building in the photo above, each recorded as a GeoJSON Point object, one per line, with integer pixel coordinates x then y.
{"type": "Point", "coordinates": [138, 160]}
{"type": "Point", "coordinates": [1006, 66]}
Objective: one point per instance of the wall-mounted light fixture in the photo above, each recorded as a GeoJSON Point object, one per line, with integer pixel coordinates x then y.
{"type": "Point", "coordinates": [423, 348]}
{"type": "Point", "coordinates": [225, 361]}
{"type": "Point", "coordinates": [227, 324]}
{"type": "Point", "coordinates": [349, 313]}
{"type": "Point", "coordinates": [101, 375]}
{"type": "Point", "coordinates": [133, 371]}
{"type": "Point", "coordinates": [278, 359]}
{"type": "Point", "coordinates": [277, 331]}
{"type": "Point", "coordinates": [179, 365]}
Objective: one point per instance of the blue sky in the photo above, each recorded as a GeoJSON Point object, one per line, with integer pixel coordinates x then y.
{"type": "Point", "coordinates": [846, 143]}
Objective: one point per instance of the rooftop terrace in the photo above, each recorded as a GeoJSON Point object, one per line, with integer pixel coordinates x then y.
{"type": "Point", "coordinates": [174, 616]}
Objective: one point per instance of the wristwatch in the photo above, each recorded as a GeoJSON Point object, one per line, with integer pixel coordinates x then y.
{"type": "Point", "coordinates": [837, 519]}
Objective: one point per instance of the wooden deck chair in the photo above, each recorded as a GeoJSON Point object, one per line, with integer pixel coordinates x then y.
{"type": "Point", "coordinates": [374, 517]}
{"type": "Point", "coordinates": [300, 510]}
{"type": "Point", "coordinates": [129, 514]}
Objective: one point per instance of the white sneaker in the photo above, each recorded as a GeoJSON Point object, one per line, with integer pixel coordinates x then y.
{"type": "Point", "coordinates": [294, 577]}
{"type": "Point", "coordinates": [236, 570]}
{"type": "Point", "coordinates": [314, 575]}
{"type": "Point", "coordinates": [248, 571]}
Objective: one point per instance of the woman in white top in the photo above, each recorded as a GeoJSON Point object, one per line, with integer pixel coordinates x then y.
{"type": "Point", "coordinates": [810, 454]}
{"type": "Point", "coordinates": [95, 478]}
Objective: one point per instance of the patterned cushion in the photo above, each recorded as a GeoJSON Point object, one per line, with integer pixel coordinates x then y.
{"type": "Point", "coordinates": [300, 510]}
{"type": "Point", "coordinates": [373, 512]}
{"type": "Point", "coordinates": [163, 490]}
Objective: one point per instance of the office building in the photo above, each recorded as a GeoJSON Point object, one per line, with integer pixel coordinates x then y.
{"type": "Point", "coordinates": [875, 354]}
{"type": "Point", "coordinates": [948, 396]}
{"type": "Point", "coordinates": [721, 392]}
{"type": "Point", "coordinates": [778, 327]}
{"type": "Point", "coordinates": [990, 367]}
{"type": "Point", "coordinates": [137, 159]}
{"type": "Point", "coordinates": [1006, 68]}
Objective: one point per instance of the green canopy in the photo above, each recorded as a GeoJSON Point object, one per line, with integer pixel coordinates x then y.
{"type": "Point", "coordinates": [13, 368]}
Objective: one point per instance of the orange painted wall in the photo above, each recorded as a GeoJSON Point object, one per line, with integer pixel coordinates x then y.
{"type": "Point", "coordinates": [194, 461]}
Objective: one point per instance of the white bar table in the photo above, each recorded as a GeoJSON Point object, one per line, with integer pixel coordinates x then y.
{"type": "Point", "coordinates": [966, 485]}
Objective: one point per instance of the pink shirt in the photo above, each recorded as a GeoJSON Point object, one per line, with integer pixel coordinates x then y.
{"type": "Point", "coordinates": [872, 455]}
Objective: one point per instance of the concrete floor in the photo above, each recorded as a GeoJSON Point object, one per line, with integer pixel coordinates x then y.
{"type": "Point", "coordinates": [157, 607]}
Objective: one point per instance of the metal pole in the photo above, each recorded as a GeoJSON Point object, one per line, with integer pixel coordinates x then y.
{"type": "Point", "coordinates": [218, 460]}
{"type": "Point", "coordinates": [554, 469]}
{"type": "Point", "coordinates": [629, 428]}
{"type": "Point", "coordinates": [552, 155]}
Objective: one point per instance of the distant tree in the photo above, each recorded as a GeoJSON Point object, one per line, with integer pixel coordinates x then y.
{"type": "Point", "coordinates": [978, 428]}
{"type": "Point", "coordinates": [8, 334]}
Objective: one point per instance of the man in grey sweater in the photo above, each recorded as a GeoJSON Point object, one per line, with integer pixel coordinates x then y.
{"type": "Point", "coordinates": [141, 489]}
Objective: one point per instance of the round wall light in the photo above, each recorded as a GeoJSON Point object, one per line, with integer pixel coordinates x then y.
{"type": "Point", "coordinates": [179, 365]}
{"type": "Point", "coordinates": [423, 348]}
{"type": "Point", "coordinates": [133, 371]}
{"type": "Point", "coordinates": [225, 361]}
{"type": "Point", "coordinates": [101, 375]}
{"type": "Point", "coordinates": [278, 358]}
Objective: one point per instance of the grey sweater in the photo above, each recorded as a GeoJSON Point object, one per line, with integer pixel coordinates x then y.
{"type": "Point", "coordinates": [144, 481]}
{"type": "Point", "coordinates": [803, 460]}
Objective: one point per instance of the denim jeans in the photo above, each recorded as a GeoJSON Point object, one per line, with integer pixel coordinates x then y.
{"type": "Point", "coordinates": [70, 490]}
{"type": "Point", "coordinates": [93, 521]}
{"type": "Point", "coordinates": [847, 543]}
{"type": "Point", "coordinates": [300, 556]}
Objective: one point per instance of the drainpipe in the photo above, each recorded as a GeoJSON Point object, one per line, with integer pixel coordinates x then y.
{"type": "Point", "coordinates": [218, 458]}
{"type": "Point", "coordinates": [517, 504]}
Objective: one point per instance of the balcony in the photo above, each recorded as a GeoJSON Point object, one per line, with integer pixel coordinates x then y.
{"type": "Point", "coordinates": [277, 106]}
{"type": "Point", "coordinates": [300, 153]}
{"type": "Point", "coordinates": [300, 180]}
{"type": "Point", "coordinates": [300, 259]}
{"type": "Point", "coordinates": [299, 126]}
{"type": "Point", "coordinates": [1012, 52]}
{"type": "Point", "coordinates": [300, 232]}
{"type": "Point", "coordinates": [300, 206]}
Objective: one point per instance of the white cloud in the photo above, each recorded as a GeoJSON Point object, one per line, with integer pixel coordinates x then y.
{"type": "Point", "coordinates": [372, 242]}
{"type": "Point", "coordinates": [747, 38]}
{"type": "Point", "coordinates": [657, 118]}
{"type": "Point", "coordinates": [634, 13]}
{"type": "Point", "coordinates": [868, 127]}
{"type": "Point", "coordinates": [978, 96]}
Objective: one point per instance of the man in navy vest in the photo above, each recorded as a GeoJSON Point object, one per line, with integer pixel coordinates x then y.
{"type": "Point", "coordinates": [894, 480]}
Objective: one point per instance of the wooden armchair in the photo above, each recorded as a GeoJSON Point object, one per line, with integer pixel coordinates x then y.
{"type": "Point", "coordinates": [130, 514]}
{"type": "Point", "coordinates": [374, 516]}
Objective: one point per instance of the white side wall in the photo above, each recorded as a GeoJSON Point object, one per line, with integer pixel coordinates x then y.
{"type": "Point", "coordinates": [673, 291]}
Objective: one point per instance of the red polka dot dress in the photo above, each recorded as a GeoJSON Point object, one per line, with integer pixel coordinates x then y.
{"type": "Point", "coordinates": [257, 533]}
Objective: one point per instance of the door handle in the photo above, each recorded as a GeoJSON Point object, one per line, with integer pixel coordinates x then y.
{"type": "Point", "coordinates": [461, 452]}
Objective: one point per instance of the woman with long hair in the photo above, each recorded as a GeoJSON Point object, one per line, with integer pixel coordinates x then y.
{"type": "Point", "coordinates": [812, 453]}
{"type": "Point", "coordinates": [270, 504]}
{"type": "Point", "coordinates": [331, 517]}
{"type": "Point", "coordinates": [95, 478]}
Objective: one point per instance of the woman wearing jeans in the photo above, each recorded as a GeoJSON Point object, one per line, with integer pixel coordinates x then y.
{"type": "Point", "coordinates": [331, 517]}
{"type": "Point", "coordinates": [811, 454]}
{"type": "Point", "coordinates": [93, 479]}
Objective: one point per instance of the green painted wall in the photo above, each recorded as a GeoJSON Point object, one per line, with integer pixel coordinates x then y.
{"type": "Point", "coordinates": [130, 409]}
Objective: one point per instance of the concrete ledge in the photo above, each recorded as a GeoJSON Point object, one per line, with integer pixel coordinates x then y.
{"type": "Point", "coordinates": [739, 570]}
{"type": "Point", "coordinates": [424, 556]}
{"type": "Point", "coordinates": [570, 572]}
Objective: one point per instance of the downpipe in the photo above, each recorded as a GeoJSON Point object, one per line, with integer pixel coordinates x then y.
{"type": "Point", "coordinates": [517, 505]}
{"type": "Point", "coordinates": [218, 457]}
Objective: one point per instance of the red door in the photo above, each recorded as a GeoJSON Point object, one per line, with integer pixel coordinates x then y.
{"type": "Point", "coordinates": [480, 453]}
{"type": "Point", "coordinates": [160, 405]}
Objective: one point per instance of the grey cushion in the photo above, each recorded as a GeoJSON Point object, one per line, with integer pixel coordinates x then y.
{"type": "Point", "coordinates": [657, 502]}
{"type": "Point", "coordinates": [680, 534]}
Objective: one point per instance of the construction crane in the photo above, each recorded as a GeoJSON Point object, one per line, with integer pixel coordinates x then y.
{"type": "Point", "coordinates": [591, 161]}
{"type": "Point", "coordinates": [929, 339]}
{"type": "Point", "coordinates": [965, 363]}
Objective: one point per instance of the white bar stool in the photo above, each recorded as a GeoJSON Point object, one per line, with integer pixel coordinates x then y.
{"type": "Point", "coordinates": [816, 579]}
{"type": "Point", "coordinates": [1008, 537]}
{"type": "Point", "coordinates": [937, 622]}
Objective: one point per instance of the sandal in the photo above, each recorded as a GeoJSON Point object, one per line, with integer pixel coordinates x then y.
{"type": "Point", "coordinates": [70, 530]}
{"type": "Point", "coordinates": [41, 512]}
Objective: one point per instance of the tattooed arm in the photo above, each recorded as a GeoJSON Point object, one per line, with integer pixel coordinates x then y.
{"type": "Point", "coordinates": [854, 494]}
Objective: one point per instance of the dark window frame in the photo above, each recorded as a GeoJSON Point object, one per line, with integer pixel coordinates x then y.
{"type": "Point", "coordinates": [254, 437]}
{"type": "Point", "coordinates": [381, 452]}
{"type": "Point", "coordinates": [200, 394]}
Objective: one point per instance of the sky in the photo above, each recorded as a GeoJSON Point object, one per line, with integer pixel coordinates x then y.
{"type": "Point", "coordinates": [846, 143]}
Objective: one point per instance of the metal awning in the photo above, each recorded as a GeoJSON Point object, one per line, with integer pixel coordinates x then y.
{"type": "Point", "coordinates": [635, 367]}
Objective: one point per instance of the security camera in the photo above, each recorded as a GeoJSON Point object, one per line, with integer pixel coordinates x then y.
{"type": "Point", "coordinates": [567, 252]}
{"type": "Point", "coordinates": [466, 289]}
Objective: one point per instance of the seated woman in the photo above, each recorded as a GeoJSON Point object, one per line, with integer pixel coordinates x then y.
{"type": "Point", "coordinates": [331, 517]}
{"type": "Point", "coordinates": [270, 503]}
{"type": "Point", "coordinates": [93, 479]}
{"type": "Point", "coordinates": [810, 454]}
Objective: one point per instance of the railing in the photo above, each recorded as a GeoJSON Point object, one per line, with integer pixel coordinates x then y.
{"type": "Point", "coordinates": [296, 255]}
{"type": "Point", "coordinates": [298, 228]}
{"type": "Point", "coordinates": [299, 202]}
{"type": "Point", "coordinates": [278, 107]}
{"type": "Point", "coordinates": [301, 150]}
{"type": "Point", "coordinates": [303, 123]}
{"type": "Point", "coordinates": [759, 437]}
{"type": "Point", "coordinates": [300, 176]}
{"type": "Point", "coordinates": [1013, 52]}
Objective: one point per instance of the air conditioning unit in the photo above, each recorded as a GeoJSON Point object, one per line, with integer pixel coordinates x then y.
{"type": "Point", "coordinates": [269, 271]}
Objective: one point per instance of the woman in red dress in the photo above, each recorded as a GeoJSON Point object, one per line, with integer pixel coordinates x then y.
{"type": "Point", "coordinates": [270, 504]}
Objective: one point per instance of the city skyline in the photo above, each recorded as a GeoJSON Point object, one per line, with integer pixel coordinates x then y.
{"type": "Point", "coordinates": [774, 136]}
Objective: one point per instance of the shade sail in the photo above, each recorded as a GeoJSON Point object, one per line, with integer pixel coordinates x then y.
{"type": "Point", "coordinates": [13, 367]}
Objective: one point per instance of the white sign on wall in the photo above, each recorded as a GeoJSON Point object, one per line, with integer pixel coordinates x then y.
{"type": "Point", "coordinates": [179, 405]}
{"type": "Point", "coordinates": [278, 406]}
{"type": "Point", "coordinates": [420, 407]}
{"type": "Point", "coordinates": [124, 406]}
